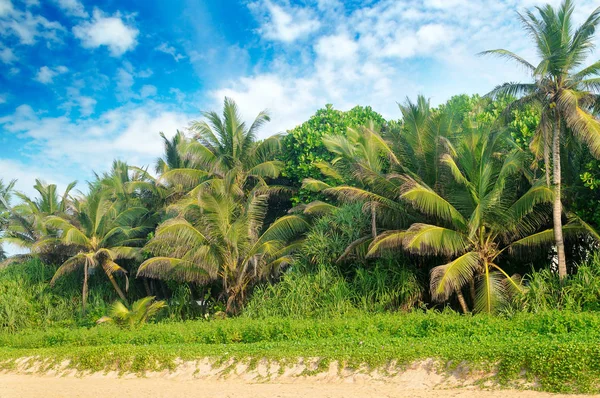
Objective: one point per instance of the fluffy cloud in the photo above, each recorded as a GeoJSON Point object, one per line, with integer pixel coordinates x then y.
{"type": "Point", "coordinates": [109, 31]}
{"type": "Point", "coordinates": [78, 147]}
{"type": "Point", "coordinates": [73, 8]}
{"type": "Point", "coordinates": [285, 24]}
{"type": "Point", "coordinates": [167, 49]}
{"type": "Point", "coordinates": [7, 56]}
{"type": "Point", "coordinates": [46, 74]}
{"type": "Point", "coordinates": [380, 53]}
{"type": "Point", "coordinates": [26, 26]}
{"type": "Point", "coordinates": [125, 79]}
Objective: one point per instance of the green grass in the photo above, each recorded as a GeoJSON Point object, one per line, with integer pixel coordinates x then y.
{"type": "Point", "coordinates": [559, 350]}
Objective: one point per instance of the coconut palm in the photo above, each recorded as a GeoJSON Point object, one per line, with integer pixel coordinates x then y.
{"type": "Point", "coordinates": [25, 226]}
{"type": "Point", "coordinates": [103, 232]}
{"type": "Point", "coordinates": [172, 158]}
{"type": "Point", "coordinates": [478, 220]}
{"type": "Point", "coordinates": [563, 88]}
{"type": "Point", "coordinates": [220, 235]}
{"type": "Point", "coordinates": [369, 165]}
{"type": "Point", "coordinates": [221, 144]}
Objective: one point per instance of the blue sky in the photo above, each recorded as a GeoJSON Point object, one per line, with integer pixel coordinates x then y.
{"type": "Point", "coordinates": [83, 82]}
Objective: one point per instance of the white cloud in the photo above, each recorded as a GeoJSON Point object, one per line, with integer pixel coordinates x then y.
{"type": "Point", "coordinates": [7, 56]}
{"type": "Point", "coordinates": [338, 47]}
{"type": "Point", "coordinates": [286, 24]}
{"type": "Point", "coordinates": [28, 27]}
{"type": "Point", "coordinates": [109, 31]}
{"type": "Point", "coordinates": [381, 52]}
{"type": "Point", "coordinates": [73, 8]}
{"type": "Point", "coordinates": [273, 93]}
{"type": "Point", "coordinates": [167, 49]}
{"type": "Point", "coordinates": [86, 105]}
{"type": "Point", "coordinates": [26, 174]}
{"type": "Point", "coordinates": [73, 148]}
{"type": "Point", "coordinates": [425, 41]}
{"type": "Point", "coordinates": [46, 74]}
{"type": "Point", "coordinates": [148, 90]}
{"type": "Point", "coordinates": [6, 7]}
{"type": "Point", "coordinates": [126, 76]}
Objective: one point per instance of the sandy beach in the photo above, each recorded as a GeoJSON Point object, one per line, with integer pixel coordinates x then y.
{"type": "Point", "coordinates": [30, 386]}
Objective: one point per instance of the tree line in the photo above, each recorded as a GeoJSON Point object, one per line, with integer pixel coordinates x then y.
{"type": "Point", "coordinates": [473, 191]}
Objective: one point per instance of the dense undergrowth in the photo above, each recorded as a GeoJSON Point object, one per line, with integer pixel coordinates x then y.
{"type": "Point", "coordinates": [558, 350]}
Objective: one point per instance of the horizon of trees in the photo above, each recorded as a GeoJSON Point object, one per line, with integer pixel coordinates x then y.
{"type": "Point", "coordinates": [472, 192]}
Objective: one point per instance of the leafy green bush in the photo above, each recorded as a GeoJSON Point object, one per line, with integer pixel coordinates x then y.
{"type": "Point", "coordinates": [387, 286]}
{"type": "Point", "coordinates": [579, 292]}
{"type": "Point", "coordinates": [324, 293]}
{"type": "Point", "coordinates": [331, 234]}
{"type": "Point", "coordinates": [27, 300]}
{"type": "Point", "coordinates": [303, 146]}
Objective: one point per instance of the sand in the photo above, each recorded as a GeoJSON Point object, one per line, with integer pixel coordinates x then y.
{"type": "Point", "coordinates": [26, 386]}
{"type": "Point", "coordinates": [266, 380]}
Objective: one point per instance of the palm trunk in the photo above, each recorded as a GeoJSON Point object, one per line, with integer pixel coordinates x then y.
{"type": "Point", "coordinates": [373, 220]}
{"type": "Point", "coordinates": [117, 288]}
{"type": "Point", "coordinates": [84, 293]}
{"type": "Point", "coordinates": [472, 290]}
{"type": "Point", "coordinates": [557, 206]}
{"type": "Point", "coordinates": [462, 302]}
{"type": "Point", "coordinates": [547, 164]}
{"type": "Point", "coordinates": [147, 287]}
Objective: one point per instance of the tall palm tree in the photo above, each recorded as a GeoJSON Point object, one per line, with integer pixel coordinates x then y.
{"type": "Point", "coordinates": [220, 235]}
{"type": "Point", "coordinates": [478, 219]}
{"type": "Point", "coordinates": [103, 232]}
{"type": "Point", "coordinates": [226, 143]}
{"type": "Point", "coordinates": [221, 144]}
{"type": "Point", "coordinates": [563, 88]}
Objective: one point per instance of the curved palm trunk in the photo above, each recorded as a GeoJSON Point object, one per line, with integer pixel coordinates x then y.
{"type": "Point", "coordinates": [557, 206]}
{"type": "Point", "coordinates": [117, 288]}
{"type": "Point", "coordinates": [462, 302]}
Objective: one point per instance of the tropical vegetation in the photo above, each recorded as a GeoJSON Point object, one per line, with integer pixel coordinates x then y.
{"type": "Point", "coordinates": [468, 224]}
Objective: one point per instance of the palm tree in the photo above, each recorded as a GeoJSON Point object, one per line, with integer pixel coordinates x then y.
{"type": "Point", "coordinates": [5, 196]}
{"type": "Point", "coordinates": [369, 165]}
{"type": "Point", "coordinates": [220, 235]}
{"type": "Point", "coordinates": [103, 232]}
{"type": "Point", "coordinates": [25, 221]}
{"type": "Point", "coordinates": [564, 90]}
{"type": "Point", "coordinates": [226, 143]}
{"type": "Point", "coordinates": [172, 158]}
{"type": "Point", "coordinates": [477, 221]}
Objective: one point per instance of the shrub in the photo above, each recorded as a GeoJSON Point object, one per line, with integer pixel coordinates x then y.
{"type": "Point", "coordinates": [579, 292]}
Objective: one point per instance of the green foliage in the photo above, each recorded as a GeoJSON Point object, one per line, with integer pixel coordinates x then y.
{"type": "Point", "coordinates": [141, 311]}
{"type": "Point", "coordinates": [303, 146]}
{"type": "Point", "coordinates": [387, 286]}
{"type": "Point", "coordinates": [27, 301]}
{"type": "Point", "coordinates": [578, 292]}
{"type": "Point", "coordinates": [321, 294]}
{"type": "Point", "coordinates": [330, 235]}
{"type": "Point", "coordinates": [558, 350]}
{"type": "Point", "coordinates": [326, 293]}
